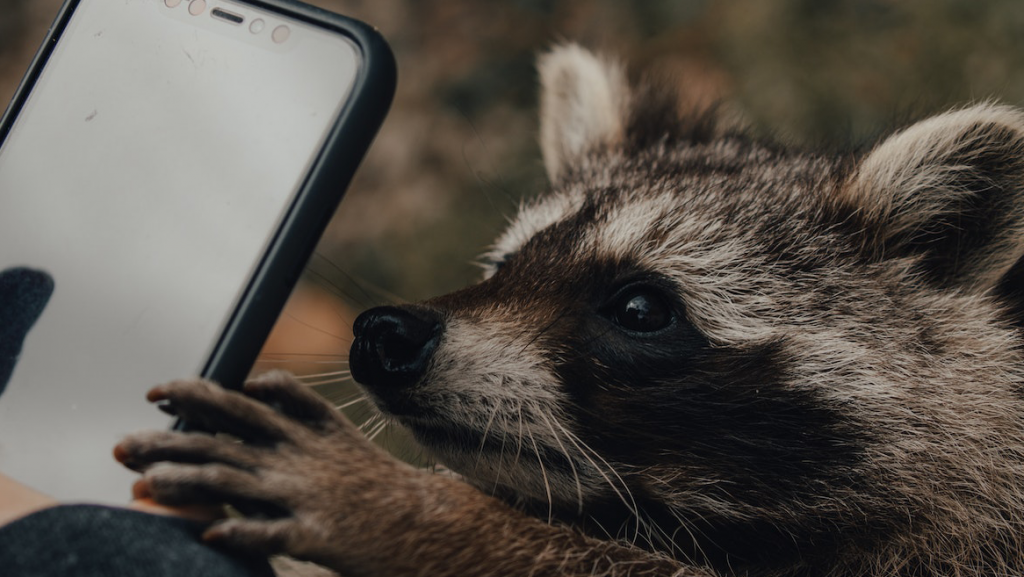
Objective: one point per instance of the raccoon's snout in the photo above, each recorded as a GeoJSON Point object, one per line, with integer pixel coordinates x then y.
{"type": "Point", "coordinates": [393, 346]}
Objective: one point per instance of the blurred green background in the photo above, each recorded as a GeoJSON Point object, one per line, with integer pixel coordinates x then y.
{"type": "Point", "coordinates": [459, 151]}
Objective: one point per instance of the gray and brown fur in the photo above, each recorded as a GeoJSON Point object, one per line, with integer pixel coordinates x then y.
{"type": "Point", "coordinates": [837, 389]}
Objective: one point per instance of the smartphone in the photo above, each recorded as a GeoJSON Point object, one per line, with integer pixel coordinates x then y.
{"type": "Point", "coordinates": [170, 164]}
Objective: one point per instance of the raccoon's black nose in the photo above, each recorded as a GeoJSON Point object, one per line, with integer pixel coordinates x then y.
{"type": "Point", "coordinates": [393, 346]}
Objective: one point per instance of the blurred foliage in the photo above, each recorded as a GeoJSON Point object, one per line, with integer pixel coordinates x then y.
{"type": "Point", "coordinates": [12, 23]}
{"type": "Point", "coordinates": [815, 69]}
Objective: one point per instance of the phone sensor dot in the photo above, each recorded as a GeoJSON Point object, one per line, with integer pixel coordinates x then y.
{"type": "Point", "coordinates": [172, 3]}
{"type": "Point", "coordinates": [197, 7]}
{"type": "Point", "coordinates": [257, 26]}
{"type": "Point", "coordinates": [281, 34]}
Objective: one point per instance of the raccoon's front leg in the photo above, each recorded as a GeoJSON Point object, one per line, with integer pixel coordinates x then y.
{"type": "Point", "coordinates": [330, 496]}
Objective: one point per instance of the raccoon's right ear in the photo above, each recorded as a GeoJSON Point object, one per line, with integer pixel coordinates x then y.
{"type": "Point", "coordinates": [949, 192]}
{"type": "Point", "coordinates": [583, 105]}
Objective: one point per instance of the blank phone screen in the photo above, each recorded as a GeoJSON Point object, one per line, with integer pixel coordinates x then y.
{"type": "Point", "coordinates": [146, 173]}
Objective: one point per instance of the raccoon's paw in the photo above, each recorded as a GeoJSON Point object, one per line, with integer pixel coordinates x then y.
{"type": "Point", "coordinates": [310, 482]}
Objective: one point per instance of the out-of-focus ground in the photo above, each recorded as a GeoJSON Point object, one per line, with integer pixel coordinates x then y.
{"type": "Point", "coordinates": [459, 150]}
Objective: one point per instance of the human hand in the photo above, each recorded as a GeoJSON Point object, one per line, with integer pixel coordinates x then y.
{"type": "Point", "coordinates": [17, 500]}
{"type": "Point", "coordinates": [142, 500]}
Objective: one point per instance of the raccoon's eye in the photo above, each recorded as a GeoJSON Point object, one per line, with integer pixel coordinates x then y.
{"type": "Point", "coordinates": [641, 310]}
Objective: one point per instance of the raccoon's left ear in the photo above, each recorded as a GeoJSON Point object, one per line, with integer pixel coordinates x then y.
{"type": "Point", "coordinates": [950, 191]}
{"type": "Point", "coordinates": [583, 103]}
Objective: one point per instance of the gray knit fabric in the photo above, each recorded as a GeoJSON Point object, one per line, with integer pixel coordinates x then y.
{"type": "Point", "coordinates": [94, 541]}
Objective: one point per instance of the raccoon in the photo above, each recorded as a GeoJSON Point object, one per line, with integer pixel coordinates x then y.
{"type": "Point", "coordinates": [699, 353]}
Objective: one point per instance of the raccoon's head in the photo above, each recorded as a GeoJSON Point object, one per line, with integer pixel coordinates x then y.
{"type": "Point", "coordinates": [740, 352]}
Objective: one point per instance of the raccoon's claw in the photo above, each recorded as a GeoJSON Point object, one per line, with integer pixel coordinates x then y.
{"type": "Point", "coordinates": [141, 450]}
{"type": "Point", "coordinates": [209, 484]}
{"type": "Point", "coordinates": [271, 537]}
{"type": "Point", "coordinates": [211, 407]}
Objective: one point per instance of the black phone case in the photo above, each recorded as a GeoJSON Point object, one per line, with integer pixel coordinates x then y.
{"type": "Point", "coordinates": [292, 244]}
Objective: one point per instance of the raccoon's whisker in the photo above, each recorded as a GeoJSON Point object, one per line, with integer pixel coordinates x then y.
{"type": "Point", "coordinates": [352, 402]}
{"type": "Point", "coordinates": [334, 395]}
{"type": "Point", "coordinates": [684, 525]}
{"type": "Point", "coordinates": [572, 462]}
{"type": "Point", "coordinates": [363, 410]}
{"type": "Point", "coordinates": [586, 450]}
{"type": "Point", "coordinates": [628, 499]}
{"type": "Point", "coordinates": [487, 427]}
{"type": "Point", "coordinates": [303, 358]}
{"type": "Point", "coordinates": [651, 531]}
{"type": "Point", "coordinates": [384, 427]}
{"type": "Point", "coordinates": [655, 534]}
{"type": "Point", "coordinates": [319, 375]}
{"type": "Point", "coordinates": [378, 429]}
{"type": "Point", "coordinates": [418, 454]}
{"type": "Point", "coordinates": [673, 548]}
{"type": "Point", "coordinates": [341, 357]}
{"type": "Point", "coordinates": [607, 533]}
{"type": "Point", "coordinates": [339, 294]}
{"type": "Point", "coordinates": [643, 531]}
{"type": "Point", "coordinates": [501, 450]}
{"type": "Point", "coordinates": [371, 422]}
{"type": "Point", "coordinates": [328, 284]}
{"type": "Point", "coordinates": [318, 329]}
{"type": "Point", "coordinates": [363, 285]}
{"type": "Point", "coordinates": [338, 312]}
{"type": "Point", "coordinates": [298, 362]}
{"type": "Point", "coordinates": [519, 446]}
{"type": "Point", "coordinates": [330, 381]}
{"type": "Point", "coordinates": [544, 475]}
{"type": "Point", "coordinates": [372, 432]}
{"type": "Point", "coordinates": [338, 391]}
{"type": "Point", "coordinates": [483, 437]}
{"type": "Point", "coordinates": [340, 399]}
{"type": "Point", "coordinates": [326, 381]}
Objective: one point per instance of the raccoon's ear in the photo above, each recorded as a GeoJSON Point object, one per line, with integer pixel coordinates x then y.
{"type": "Point", "coordinates": [950, 191]}
{"type": "Point", "coordinates": [583, 103]}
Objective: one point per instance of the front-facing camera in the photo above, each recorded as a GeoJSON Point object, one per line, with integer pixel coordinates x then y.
{"type": "Point", "coordinates": [281, 34]}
